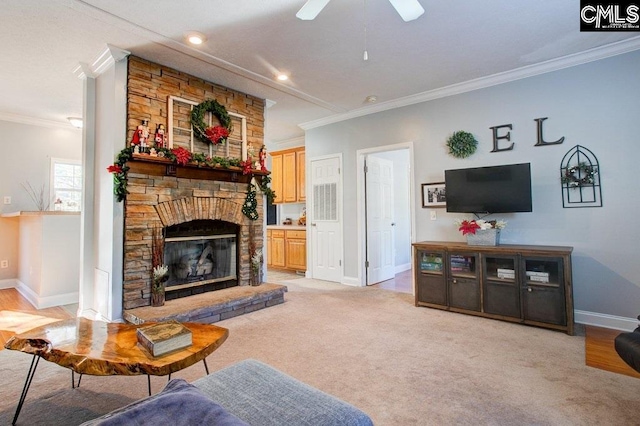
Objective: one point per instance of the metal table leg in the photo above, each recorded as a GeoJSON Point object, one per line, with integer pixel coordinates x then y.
{"type": "Point", "coordinates": [27, 384]}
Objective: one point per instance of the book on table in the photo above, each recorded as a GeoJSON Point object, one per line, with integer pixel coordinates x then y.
{"type": "Point", "coordinates": [164, 337]}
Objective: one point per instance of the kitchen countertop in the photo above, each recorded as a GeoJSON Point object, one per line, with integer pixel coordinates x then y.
{"type": "Point", "coordinates": [40, 213]}
{"type": "Point", "coordinates": [285, 227]}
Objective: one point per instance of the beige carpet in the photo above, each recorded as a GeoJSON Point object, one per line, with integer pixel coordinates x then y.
{"type": "Point", "coordinates": [401, 364]}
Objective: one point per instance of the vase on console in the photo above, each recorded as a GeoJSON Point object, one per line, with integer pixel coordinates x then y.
{"type": "Point", "coordinates": [481, 232]}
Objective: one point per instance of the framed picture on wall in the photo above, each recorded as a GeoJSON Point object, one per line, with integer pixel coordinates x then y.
{"type": "Point", "coordinates": [433, 195]}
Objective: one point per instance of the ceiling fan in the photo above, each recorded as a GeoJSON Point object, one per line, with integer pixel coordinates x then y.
{"type": "Point", "coordinates": [407, 9]}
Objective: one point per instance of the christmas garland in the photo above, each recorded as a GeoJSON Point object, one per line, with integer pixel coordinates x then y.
{"type": "Point", "coordinates": [179, 156]}
{"type": "Point", "coordinates": [215, 134]}
{"type": "Point", "coordinates": [579, 175]}
{"type": "Point", "coordinates": [462, 144]}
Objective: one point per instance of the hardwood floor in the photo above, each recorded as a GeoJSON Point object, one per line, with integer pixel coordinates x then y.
{"type": "Point", "coordinates": [600, 352]}
{"type": "Point", "coordinates": [17, 315]}
{"type": "Point", "coordinates": [400, 283]}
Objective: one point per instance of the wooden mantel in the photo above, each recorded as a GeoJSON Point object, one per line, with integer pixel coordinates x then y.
{"type": "Point", "coordinates": [158, 166]}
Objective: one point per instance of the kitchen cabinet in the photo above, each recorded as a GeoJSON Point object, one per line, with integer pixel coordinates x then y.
{"type": "Point", "coordinates": [288, 175]}
{"type": "Point", "coordinates": [519, 283]}
{"type": "Point", "coordinates": [287, 249]}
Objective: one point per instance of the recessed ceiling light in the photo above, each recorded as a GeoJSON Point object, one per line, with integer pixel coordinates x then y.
{"type": "Point", "coordinates": [195, 37]}
{"type": "Point", "coordinates": [75, 122]}
{"type": "Point", "coordinates": [371, 99]}
{"type": "Point", "coordinates": [283, 77]}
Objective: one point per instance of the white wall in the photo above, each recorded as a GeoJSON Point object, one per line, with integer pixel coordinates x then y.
{"type": "Point", "coordinates": [594, 105]}
{"type": "Point", "coordinates": [26, 157]}
{"type": "Point", "coordinates": [49, 251]}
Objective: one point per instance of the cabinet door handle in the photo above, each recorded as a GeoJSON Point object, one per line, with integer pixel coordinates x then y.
{"type": "Point", "coordinates": [454, 281]}
{"type": "Point", "coordinates": [529, 289]}
{"type": "Point", "coordinates": [313, 224]}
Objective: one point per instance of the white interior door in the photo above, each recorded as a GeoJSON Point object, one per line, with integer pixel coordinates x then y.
{"type": "Point", "coordinates": [326, 226]}
{"type": "Point", "coordinates": [380, 225]}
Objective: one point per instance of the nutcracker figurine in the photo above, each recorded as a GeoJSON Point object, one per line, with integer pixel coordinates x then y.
{"type": "Point", "coordinates": [160, 139]}
{"type": "Point", "coordinates": [141, 135]}
{"type": "Point", "coordinates": [262, 157]}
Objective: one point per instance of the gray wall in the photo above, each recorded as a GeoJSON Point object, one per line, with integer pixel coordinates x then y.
{"type": "Point", "coordinates": [26, 157]}
{"type": "Point", "coordinates": [595, 105]}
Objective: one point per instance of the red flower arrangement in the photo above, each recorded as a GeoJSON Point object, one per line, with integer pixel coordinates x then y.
{"type": "Point", "coordinates": [246, 166]}
{"type": "Point", "coordinates": [115, 168]}
{"type": "Point", "coordinates": [217, 134]}
{"type": "Point", "coordinates": [468, 227]}
{"type": "Point", "coordinates": [182, 155]}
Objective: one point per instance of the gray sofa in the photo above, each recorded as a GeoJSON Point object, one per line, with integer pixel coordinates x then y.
{"type": "Point", "coordinates": [248, 392]}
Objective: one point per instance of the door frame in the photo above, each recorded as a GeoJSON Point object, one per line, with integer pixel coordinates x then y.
{"type": "Point", "coordinates": [309, 204]}
{"type": "Point", "coordinates": [361, 219]}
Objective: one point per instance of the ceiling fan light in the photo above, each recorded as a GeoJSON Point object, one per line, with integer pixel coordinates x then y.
{"type": "Point", "coordinates": [282, 77]}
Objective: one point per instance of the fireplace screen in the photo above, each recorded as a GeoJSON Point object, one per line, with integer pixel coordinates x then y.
{"type": "Point", "coordinates": [200, 260]}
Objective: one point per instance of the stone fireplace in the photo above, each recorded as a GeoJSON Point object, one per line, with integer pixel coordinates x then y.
{"type": "Point", "coordinates": [208, 241]}
{"type": "Point", "coordinates": [207, 237]}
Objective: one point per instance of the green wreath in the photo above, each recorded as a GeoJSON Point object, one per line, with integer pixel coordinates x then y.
{"type": "Point", "coordinates": [462, 144]}
{"type": "Point", "coordinates": [582, 174]}
{"type": "Point", "coordinates": [208, 134]}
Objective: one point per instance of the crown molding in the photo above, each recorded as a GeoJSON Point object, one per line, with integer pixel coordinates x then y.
{"type": "Point", "coordinates": [288, 143]}
{"type": "Point", "coordinates": [575, 59]}
{"type": "Point", "coordinates": [109, 56]}
{"type": "Point", "coordinates": [33, 121]}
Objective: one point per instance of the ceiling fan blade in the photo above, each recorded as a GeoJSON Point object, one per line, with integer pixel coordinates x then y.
{"type": "Point", "coordinates": [311, 9]}
{"type": "Point", "coordinates": [407, 9]}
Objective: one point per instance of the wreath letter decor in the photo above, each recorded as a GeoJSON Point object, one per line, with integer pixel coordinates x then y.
{"type": "Point", "coordinates": [580, 175]}
{"type": "Point", "coordinates": [462, 144]}
{"type": "Point", "coordinates": [215, 134]}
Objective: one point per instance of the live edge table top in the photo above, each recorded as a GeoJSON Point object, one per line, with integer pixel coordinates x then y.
{"type": "Point", "coordinates": [104, 349]}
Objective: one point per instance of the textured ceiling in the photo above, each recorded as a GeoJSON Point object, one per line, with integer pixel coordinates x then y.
{"type": "Point", "coordinates": [249, 41]}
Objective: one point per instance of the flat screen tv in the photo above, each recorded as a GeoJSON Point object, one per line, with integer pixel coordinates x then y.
{"type": "Point", "coordinates": [496, 189]}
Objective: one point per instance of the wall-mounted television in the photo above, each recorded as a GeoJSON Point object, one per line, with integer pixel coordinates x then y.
{"type": "Point", "coordinates": [496, 189]}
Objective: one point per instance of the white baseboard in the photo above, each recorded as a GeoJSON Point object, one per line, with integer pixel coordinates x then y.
{"type": "Point", "coordinates": [47, 301]}
{"type": "Point", "coordinates": [605, 320]}
{"type": "Point", "coordinates": [10, 283]}
{"type": "Point", "coordinates": [352, 281]}
{"type": "Point", "coordinates": [402, 268]}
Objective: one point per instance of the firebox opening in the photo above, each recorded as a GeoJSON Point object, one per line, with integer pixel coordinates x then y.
{"type": "Point", "coordinates": [202, 256]}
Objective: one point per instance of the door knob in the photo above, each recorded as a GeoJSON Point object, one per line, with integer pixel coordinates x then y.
{"type": "Point", "coordinates": [313, 224]}
{"type": "Point", "coordinates": [393, 224]}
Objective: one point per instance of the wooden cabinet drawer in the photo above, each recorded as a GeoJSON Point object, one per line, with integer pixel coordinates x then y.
{"type": "Point", "coordinates": [297, 234]}
{"type": "Point", "coordinates": [277, 233]}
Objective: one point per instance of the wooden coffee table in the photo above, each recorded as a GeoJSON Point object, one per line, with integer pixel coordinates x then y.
{"type": "Point", "coordinates": [106, 349]}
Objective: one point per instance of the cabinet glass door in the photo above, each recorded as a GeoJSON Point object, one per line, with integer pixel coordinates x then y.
{"type": "Point", "coordinates": [464, 286]}
{"type": "Point", "coordinates": [430, 278]}
{"type": "Point", "coordinates": [463, 265]}
{"type": "Point", "coordinates": [501, 290]}
{"type": "Point", "coordinates": [543, 290]}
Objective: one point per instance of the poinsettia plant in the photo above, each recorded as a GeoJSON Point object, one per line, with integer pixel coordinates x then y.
{"type": "Point", "coordinates": [471, 226]}
{"type": "Point", "coordinates": [217, 134]}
